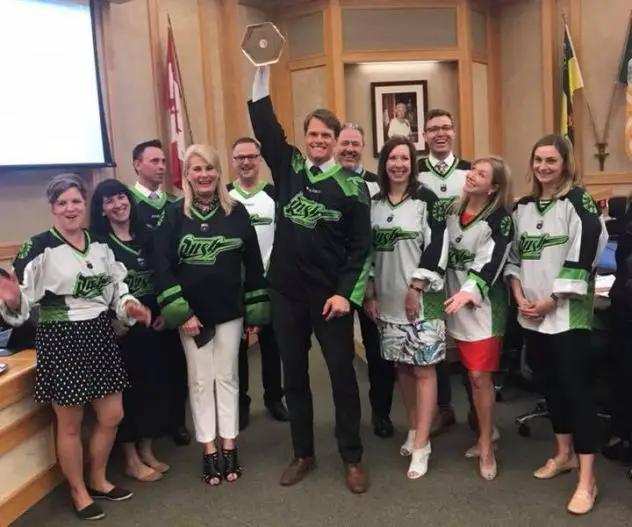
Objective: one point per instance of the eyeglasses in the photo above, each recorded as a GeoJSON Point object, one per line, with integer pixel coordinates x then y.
{"type": "Point", "coordinates": [241, 159]}
{"type": "Point", "coordinates": [444, 128]}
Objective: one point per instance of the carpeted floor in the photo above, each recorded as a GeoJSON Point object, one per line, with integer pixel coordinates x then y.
{"type": "Point", "coordinates": [451, 494]}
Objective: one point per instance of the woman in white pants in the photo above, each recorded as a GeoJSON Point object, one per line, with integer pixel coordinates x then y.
{"type": "Point", "coordinates": [211, 282]}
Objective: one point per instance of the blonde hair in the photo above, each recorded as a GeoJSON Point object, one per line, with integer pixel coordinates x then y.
{"type": "Point", "coordinates": [210, 157]}
{"type": "Point", "coordinates": [501, 176]}
{"type": "Point", "coordinates": [570, 175]}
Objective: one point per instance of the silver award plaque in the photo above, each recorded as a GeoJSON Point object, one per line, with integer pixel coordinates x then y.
{"type": "Point", "coordinates": [262, 44]}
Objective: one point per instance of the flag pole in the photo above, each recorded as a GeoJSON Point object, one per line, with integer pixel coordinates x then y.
{"type": "Point", "coordinates": [182, 92]}
{"type": "Point", "coordinates": [615, 86]}
{"type": "Point", "coordinates": [601, 146]}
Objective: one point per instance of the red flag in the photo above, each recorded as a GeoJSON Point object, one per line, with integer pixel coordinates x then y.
{"type": "Point", "coordinates": [175, 113]}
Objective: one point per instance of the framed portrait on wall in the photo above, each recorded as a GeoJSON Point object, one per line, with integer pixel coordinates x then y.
{"type": "Point", "coordinates": [398, 108]}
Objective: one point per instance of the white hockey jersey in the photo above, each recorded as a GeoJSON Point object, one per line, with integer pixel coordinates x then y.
{"type": "Point", "coordinates": [476, 258]}
{"type": "Point", "coordinates": [448, 186]}
{"type": "Point", "coordinates": [260, 203]}
{"type": "Point", "coordinates": [556, 247]}
{"type": "Point", "coordinates": [409, 242]}
{"type": "Point", "coordinates": [68, 284]}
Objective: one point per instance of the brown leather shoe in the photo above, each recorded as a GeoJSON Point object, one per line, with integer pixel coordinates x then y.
{"type": "Point", "coordinates": [297, 470]}
{"type": "Point", "coordinates": [357, 482]}
{"type": "Point", "coordinates": [444, 419]}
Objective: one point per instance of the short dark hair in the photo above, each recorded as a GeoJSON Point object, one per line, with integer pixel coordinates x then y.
{"type": "Point", "coordinates": [246, 140]}
{"type": "Point", "coordinates": [382, 176]}
{"type": "Point", "coordinates": [327, 117]}
{"type": "Point", "coordinates": [437, 112]}
{"type": "Point", "coordinates": [139, 149]}
{"type": "Point", "coordinates": [99, 224]}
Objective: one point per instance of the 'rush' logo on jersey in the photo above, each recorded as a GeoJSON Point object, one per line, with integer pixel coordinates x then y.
{"type": "Point", "coordinates": [255, 219]}
{"type": "Point", "coordinates": [140, 283]}
{"type": "Point", "coordinates": [307, 213]}
{"type": "Point", "coordinates": [91, 286]}
{"type": "Point", "coordinates": [531, 246]}
{"type": "Point", "coordinates": [204, 251]}
{"type": "Point", "coordinates": [384, 240]}
{"type": "Point", "coordinates": [460, 259]}
{"type": "Point", "coordinates": [440, 208]}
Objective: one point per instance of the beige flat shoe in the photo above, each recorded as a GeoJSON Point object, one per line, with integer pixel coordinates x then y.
{"type": "Point", "coordinates": [147, 478]}
{"type": "Point", "coordinates": [488, 472]}
{"type": "Point", "coordinates": [552, 468]}
{"type": "Point", "coordinates": [582, 501]}
{"type": "Point", "coordinates": [161, 467]}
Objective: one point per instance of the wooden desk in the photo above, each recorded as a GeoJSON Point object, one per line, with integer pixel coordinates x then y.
{"type": "Point", "coordinates": [28, 466]}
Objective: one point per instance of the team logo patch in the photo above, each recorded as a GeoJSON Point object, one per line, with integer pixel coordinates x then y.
{"type": "Point", "coordinates": [25, 249]}
{"type": "Point", "coordinates": [204, 227]}
{"type": "Point", "coordinates": [390, 218]}
{"type": "Point", "coordinates": [589, 203]}
{"type": "Point", "coordinates": [307, 213]}
{"type": "Point", "coordinates": [384, 240]}
{"type": "Point", "coordinates": [505, 226]}
{"type": "Point", "coordinates": [443, 188]}
{"type": "Point", "coordinates": [458, 238]}
{"type": "Point", "coordinates": [539, 225]}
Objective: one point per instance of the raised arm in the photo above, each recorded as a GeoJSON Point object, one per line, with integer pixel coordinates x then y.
{"type": "Point", "coordinates": [491, 256]}
{"type": "Point", "coordinates": [434, 257]}
{"type": "Point", "coordinates": [275, 149]}
{"type": "Point", "coordinates": [587, 238]}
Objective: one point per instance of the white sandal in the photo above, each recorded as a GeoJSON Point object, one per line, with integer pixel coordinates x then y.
{"type": "Point", "coordinates": [419, 462]}
{"type": "Point", "coordinates": [407, 448]}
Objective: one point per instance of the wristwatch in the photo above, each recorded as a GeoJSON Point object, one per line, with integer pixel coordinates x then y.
{"type": "Point", "coordinates": [416, 288]}
{"type": "Point", "coordinates": [555, 298]}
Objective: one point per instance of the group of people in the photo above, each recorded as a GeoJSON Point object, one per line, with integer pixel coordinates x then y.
{"type": "Point", "coordinates": [422, 250]}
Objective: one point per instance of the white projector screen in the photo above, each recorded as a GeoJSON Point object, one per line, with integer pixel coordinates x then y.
{"type": "Point", "coordinates": [51, 112]}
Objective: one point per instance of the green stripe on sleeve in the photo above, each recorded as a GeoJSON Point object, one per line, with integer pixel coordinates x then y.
{"type": "Point", "coordinates": [176, 312]}
{"type": "Point", "coordinates": [258, 314]}
{"type": "Point", "coordinates": [567, 273]}
{"type": "Point", "coordinates": [482, 285]}
{"type": "Point", "coordinates": [357, 294]}
{"type": "Point", "coordinates": [175, 290]}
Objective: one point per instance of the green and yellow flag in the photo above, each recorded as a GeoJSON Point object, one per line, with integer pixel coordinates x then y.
{"type": "Point", "coordinates": [572, 81]}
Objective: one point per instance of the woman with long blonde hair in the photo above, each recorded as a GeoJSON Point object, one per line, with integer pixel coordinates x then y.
{"type": "Point", "coordinates": [480, 229]}
{"type": "Point", "coordinates": [210, 280]}
{"type": "Point", "coordinates": [559, 236]}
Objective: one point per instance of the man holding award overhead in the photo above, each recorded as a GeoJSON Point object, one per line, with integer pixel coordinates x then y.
{"type": "Point", "coordinates": [318, 268]}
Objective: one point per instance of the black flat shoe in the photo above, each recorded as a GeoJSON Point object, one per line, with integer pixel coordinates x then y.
{"type": "Point", "coordinates": [116, 494]}
{"type": "Point", "coordinates": [619, 451]}
{"type": "Point", "coordinates": [382, 427]}
{"type": "Point", "coordinates": [211, 473]}
{"type": "Point", "coordinates": [181, 436]}
{"type": "Point", "coordinates": [231, 465]}
{"type": "Point", "coordinates": [91, 513]}
{"type": "Point", "coordinates": [278, 411]}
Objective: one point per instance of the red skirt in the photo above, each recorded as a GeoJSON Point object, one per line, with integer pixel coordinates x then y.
{"type": "Point", "coordinates": [481, 355]}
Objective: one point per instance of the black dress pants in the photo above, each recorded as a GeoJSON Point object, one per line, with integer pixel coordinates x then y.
{"type": "Point", "coordinates": [270, 368]}
{"type": "Point", "coordinates": [177, 384]}
{"type": "Point", "coordinates": [566, 367]}
{"type": "Point", "coordinates": [381, 372]}
{"type": "Point", "coordinates": [621, 368]}
{"type": "Point", "coordinates": [294, 320]}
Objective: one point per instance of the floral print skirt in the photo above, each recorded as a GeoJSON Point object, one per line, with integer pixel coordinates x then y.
{"type": "Point", "coordinates": [420, 343]}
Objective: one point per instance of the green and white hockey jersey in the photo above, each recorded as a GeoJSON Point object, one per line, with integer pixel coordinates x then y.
{"type": "Point", "coordinates": [67, 283]}
{"type": "Point", "coordinates": [448, 185]}
{"type": "Point", "coordinates": [477, 254]}
{"type": "Point", "coordinates": [261, 205]}
{"type": "Point", "coordinates": [556, 247]}
{"type": "Point", "coordinates": [409, 242]}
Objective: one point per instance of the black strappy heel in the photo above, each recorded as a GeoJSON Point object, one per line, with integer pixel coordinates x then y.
{"type": "Point", "coordinates": [211, 470]}
{"type": "Point", "coordinates": [231, 465]}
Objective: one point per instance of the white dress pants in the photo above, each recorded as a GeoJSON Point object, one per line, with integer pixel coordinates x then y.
{"type": "Point", "coordinates": [214, 382]}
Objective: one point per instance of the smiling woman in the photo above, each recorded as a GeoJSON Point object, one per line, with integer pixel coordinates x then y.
{"type": "Point", "coordinates": [201, 250]}
{"type": "Point", "coordinates": [76, 280]}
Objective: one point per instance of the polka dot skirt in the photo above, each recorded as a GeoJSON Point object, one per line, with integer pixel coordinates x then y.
{"type": "Point", "coordinates": [77, 362]}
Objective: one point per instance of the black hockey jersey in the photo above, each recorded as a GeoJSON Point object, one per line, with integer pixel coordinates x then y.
{"type": "Point", "coordinates": [152, 213]}
{"type": "Point", "coordinates": [209, 265]}
{"type": "Point", "coordinates": [323, 234]}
